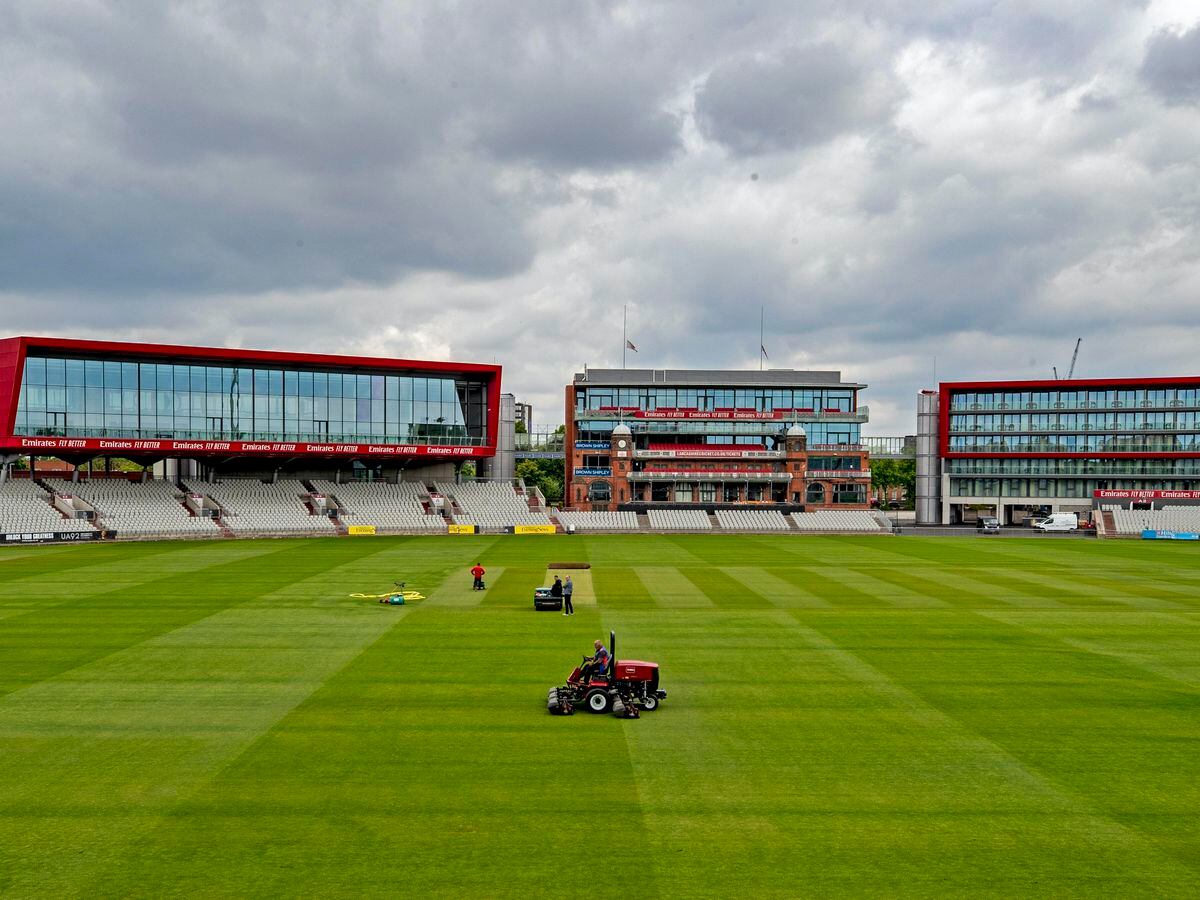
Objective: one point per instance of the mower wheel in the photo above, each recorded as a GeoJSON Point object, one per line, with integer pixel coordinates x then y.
{"type": "Point", "coordinates": [649, 703]}
{"type": "Point", "coordinates": [598, 701]}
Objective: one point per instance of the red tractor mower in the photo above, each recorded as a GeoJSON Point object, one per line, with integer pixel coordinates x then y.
{"type": "Point", "coordinates": [626, 686]}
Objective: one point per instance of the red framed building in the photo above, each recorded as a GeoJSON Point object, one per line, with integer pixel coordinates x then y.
{"type": "Point", "coordinates": [1053, 445]}
{"type": "Point", "coordinates": [241, 409]}
{"type": "Point", "coordinates": [638, 439]}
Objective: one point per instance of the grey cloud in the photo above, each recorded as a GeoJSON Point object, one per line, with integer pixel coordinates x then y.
{"type": "Point", "coordinates": [804, 95]}
{"type": "Point", "coordinates": [1172, 65]}
{"type": "Point", "coordinates": [425, 179]}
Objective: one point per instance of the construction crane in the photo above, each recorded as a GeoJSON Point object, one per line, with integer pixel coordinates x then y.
{"type": "Point", "coordinates": [1074, 356]}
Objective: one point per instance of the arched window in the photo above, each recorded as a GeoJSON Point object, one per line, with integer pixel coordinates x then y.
{"type": "Point", "coordinates": [599, 491]}
{"type": "Point", "coordinates": [815, 493]}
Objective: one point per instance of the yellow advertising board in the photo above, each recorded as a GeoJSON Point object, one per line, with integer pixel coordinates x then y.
{"type": "Point", "coordinates": [361, 529]}
{"type": "Point", "coordinates": [534, 529]}
{"type": "Point", "coordinates": [460, 529]}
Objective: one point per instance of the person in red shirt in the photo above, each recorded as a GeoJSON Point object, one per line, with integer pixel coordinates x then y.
{"type": "Point", "coordinates": [478, 573]}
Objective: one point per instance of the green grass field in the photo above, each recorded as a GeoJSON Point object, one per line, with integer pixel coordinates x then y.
{"type": "Point", "coordinates": [846, 716]}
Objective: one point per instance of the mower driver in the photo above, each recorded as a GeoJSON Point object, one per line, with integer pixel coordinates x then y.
{"type": "Point", "coordinates": [597, 664]}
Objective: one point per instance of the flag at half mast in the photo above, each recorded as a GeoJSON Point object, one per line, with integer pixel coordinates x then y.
{"type": "Point", "coordinates": [629, 344]}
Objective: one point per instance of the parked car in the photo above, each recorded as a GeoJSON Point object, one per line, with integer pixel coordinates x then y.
{"type": "Point", "coordinates": [987, 524]}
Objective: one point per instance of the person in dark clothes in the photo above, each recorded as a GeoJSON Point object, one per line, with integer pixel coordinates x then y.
{"type": "Point", "coordinates": [597, 664]}
{"type": "Point", "coordinates": [568, 590]}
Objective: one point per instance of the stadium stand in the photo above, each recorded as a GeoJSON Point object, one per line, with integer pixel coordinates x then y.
{"type": "Point", "coordinates": [25, 508]}
{"type": "Point", "coordinates": [269, 508]}
{"type": "Point", "coordinates": [752, 520]}
{"type": "Point", "coordinates": [838, 520]}
{"type": "Point", "coordinates": [136, 509]}
{"type": "Point", "coordinates": [491, 505]}
{"type": "Point", "coordinates": [678, 520]}
{"type": "Point", "coordinates": [1171, 518]}
{"type": "Point", "coordinates": [597, 521]}
{"type": "Point", "coordinates": [387, 506]}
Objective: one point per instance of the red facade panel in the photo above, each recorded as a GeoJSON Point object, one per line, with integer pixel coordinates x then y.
{"type": "Point", "coordinates": [11, 364]}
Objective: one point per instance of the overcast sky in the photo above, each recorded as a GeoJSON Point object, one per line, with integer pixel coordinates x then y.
{"type": "Point", "coordinates": [980, 182]}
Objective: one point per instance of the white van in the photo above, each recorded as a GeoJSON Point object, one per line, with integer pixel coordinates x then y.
{"type": "Point", "coordinates": [1058, 522]}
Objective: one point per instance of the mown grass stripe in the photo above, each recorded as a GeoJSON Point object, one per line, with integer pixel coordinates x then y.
{"type": "Point", "coordinates": [1127, 645]}
{"type": "Point", "coordinates": [45, 643]}
{"type": "Point", "coordinates": [723, 590]}
{"type": "Point", "coordinates": [836, 586]}
{"type": "Point", "coordinates": [898, 588]}
{"type": "Point", "coordinates": [34, 567]}
{"type": "Point", "coordinates": [514, 587]}
{"type": "Point", "coordinates": [778, 591]}
{"type": "Point", "coordinates": [987, 593]}
{"type": "Point", "coordinates": [670, 588]}
{"type": "Point", "coordinates": [619, 587]}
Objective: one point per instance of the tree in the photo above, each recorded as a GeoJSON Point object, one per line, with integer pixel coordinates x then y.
{"type": "Point", "coordinates": [520, 428]}
{"type": "Point", "coordinates": [895, 473]}
{"type": "Point", "coordinates": [544, 474]}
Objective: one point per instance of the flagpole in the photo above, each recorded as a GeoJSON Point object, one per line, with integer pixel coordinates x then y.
{"type": "Point", "coordinates": [624, 340]}
{"type": "Point", "coordinates": [760, 338]}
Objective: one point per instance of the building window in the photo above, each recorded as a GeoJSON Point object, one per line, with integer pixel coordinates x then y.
{"type": "Point", "coordinates": [815, 493]}
{"type": "Point", "coordinates": [599, 491]}
{"type": "Point", "coordinates": [708, 492]}
{"type": "Point", "coordinates": [849, 493]}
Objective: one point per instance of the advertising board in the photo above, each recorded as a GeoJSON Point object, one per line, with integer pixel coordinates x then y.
{"type": "Point", "coordinates": [534, 529]}
{"type": "Point", "coordinates": [47, 445]}
{"type": "Point", "coordinates": [44, 537]}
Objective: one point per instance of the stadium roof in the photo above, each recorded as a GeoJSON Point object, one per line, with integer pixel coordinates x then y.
{"type": "Point", "coordinates": [745, 377]}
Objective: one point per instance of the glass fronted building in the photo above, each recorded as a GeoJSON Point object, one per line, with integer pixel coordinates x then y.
{"type": "Point", "coordinates": [1027, 446]}
{"type": "Point", "coordinates": [77, 398]}
{"type": "Point", "coordinates": [714, 438]}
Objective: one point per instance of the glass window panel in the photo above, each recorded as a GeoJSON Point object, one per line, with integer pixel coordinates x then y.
{"type": "Point", "coordinates": [56, 371]}
{"type": "Point", "coordinates": [275, 382]}
{"type": "Point", "coordinates": [212, 380]}
{"type": "Point", "coordinates": [74, 372]}
{"type": "Point", "coordinates": [35, 370]}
